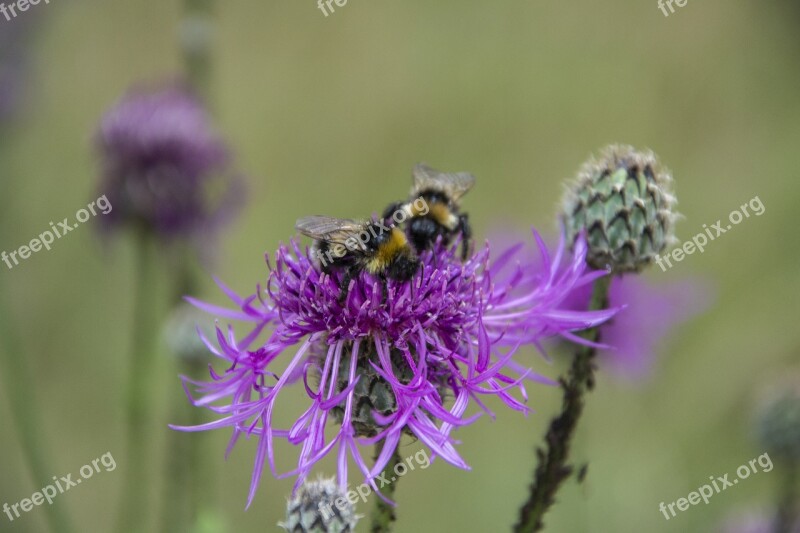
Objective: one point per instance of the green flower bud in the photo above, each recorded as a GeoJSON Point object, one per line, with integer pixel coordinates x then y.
{"type": "Point", "coordinates": [314, 509]}
{"type": "Point", "coordinates": [195, 34]}
{"type": "Point", "coordinates": [778, 422]}
{"type": "Point", "coordinates": [623, 201]}
{"type": "Point", "coordinates": [180, 333]}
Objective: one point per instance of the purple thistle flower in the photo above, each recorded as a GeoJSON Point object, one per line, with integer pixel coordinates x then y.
{"type": "Point", "coordinates": [652, 311]}
{"type": "Point", "coordinates": [161, 163]}
{"type": "Point", "coordinates": [384, 362]}
{"type": "Point", "coordinates": [753, 521]}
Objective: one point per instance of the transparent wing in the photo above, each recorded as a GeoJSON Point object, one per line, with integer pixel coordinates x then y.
{"type": "Point", "coordinates": [454, 185]}
{"type": "Point", "coordinates": [323, 228]}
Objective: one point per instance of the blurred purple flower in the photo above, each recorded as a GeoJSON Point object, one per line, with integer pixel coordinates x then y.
{"type": "Point", "coordinates": [163, 165]}
{"type": "Point", "coordinates": [752, 522]}
{"type": "Point", "coordinates": [652, 311]}
{"type": "Point", "coordinates": [452, 330]}
{"type": "Point", "coordinates": [14, 45]}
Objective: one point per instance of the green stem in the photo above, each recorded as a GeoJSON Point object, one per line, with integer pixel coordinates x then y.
{"type": "Point", "coordinates": [789, 507]}
{"type": "Point", "coordinates": [553, 469]}
{"type": "Point", "coordinates": [188, 488]}
{"type": "Point", "coordinates": [173, 511]}
{"type": "Point", "coordinates": [190, 480]}
{"type": "Point", "coordinates": [201, 475]}
{"type": "Point", "coordinates": [383, 515]}
{"type": "Point", "coordinates": [19, 386]}
{"type": "Point", "coordinates": [139, 392]}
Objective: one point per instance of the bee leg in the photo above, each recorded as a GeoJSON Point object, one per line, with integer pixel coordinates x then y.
{"type": "Point", "coordinates": [466, 235]}
{"type": "Point", "coordinates": [344, 287]}
{"type": "Point", "coordinates": [385, 290]}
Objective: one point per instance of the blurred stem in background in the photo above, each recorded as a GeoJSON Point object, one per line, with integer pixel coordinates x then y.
{"type": "Point", "coordinates": [189, 495]}
{"type": "Point", "coordinates": [789, 499]}
{"type": "Point", "coordinates": [19, 386]}
{"type": "Point", "coordinates": [19, 390]}
{"type": "Point", "coordinates": [139, 388]}
{"type": "Point", "coordinates": [552, 469]}
{"type": "Point", "coordinates": [383, 515]}
{"type": "Point", "coordinates": [189, 477]}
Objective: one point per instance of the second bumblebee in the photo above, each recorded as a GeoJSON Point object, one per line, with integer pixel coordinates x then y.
{"type": "Point", "coordinates": [441, 192]}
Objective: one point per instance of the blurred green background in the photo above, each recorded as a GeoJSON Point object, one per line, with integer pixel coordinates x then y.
{"type": "Point", "coordinates": [328, 115]}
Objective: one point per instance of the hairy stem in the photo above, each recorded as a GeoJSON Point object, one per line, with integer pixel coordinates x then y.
{"type": "Point", "coordinates": [139, 392]}
{"type": "Point", "coordinates": [384, 514]}
{"type": "Point", "coordinates": [552, 468]}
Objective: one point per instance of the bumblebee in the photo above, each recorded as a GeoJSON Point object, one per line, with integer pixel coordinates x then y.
{"type": "Point", "coordinates": [353, 246]}
{"type": "Point", "coordinates": [433, 208]}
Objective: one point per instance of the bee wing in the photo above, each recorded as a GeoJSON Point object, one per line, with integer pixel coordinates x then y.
{"type": "Point", "coordinates": [335, 230]}
{"type": "Point", "coordinates": [454, 185]}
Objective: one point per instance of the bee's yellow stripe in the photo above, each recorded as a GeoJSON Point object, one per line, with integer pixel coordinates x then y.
{"type": "Point", "coordinates": [443, 216]}
{"type": "Point", "coordinates": [396, 244]}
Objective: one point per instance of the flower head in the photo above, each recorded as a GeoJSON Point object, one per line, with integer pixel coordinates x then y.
{"type": "Point", "coordinates": [405, 358]}
{"type": "Point", "coordinates": [163, 165]}
{"type": "Point", "coordinates": [314, 509]}
{"type": "Point", "coordinates": [623, 202]}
